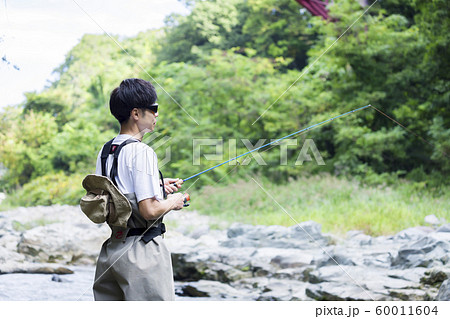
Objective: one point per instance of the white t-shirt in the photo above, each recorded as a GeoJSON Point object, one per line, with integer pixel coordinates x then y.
{"type": "Point", "coordinates": [137, 169]}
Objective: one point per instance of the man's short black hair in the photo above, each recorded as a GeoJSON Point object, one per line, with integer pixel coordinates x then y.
{"type": "Point", "coordinates": [131, 93]}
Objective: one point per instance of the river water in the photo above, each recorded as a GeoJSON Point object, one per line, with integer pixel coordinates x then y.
{"type": "Point", "coordinates": [41, 287]}
{"type": "Point", "coordinates": [25, 287]}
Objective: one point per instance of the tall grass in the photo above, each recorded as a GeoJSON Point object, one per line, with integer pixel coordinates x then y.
{"type": "Point", "coordinates": [338, 204]}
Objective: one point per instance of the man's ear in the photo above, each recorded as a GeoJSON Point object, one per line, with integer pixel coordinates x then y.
{"type": "Point", "coordinates": [134, 114]}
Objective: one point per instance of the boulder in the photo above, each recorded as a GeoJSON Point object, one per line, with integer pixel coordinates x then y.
{"type": "Point", "coordinates": [10, 261]}
{"type": "Point", "coordinates": [434, 277]}
{"type": "Point", "coordinates": [335, 259]}
{"type": "Point", "coordinates": [414, 275]}
{"type": "Point", "coordinates": [444, 229]}
{"type": "Point", "coordinates": [238, 258]}
{"type": "Point", "coordinates": [444, 291]}
{"type": "Point", "coordinates": [256, 284]}
{"type": "Point", "coordinates": [224, 273]}
{"type": "Point", "coordinates": [429, 251]}
{"type": "Point", "coordinates": [275, 291]}
{"type": "Point", "coordinates": [199, 231]}
{"type": "Point", "coordinates": [291, 259]}
{"type": "Point", "coordinates": [411, 294]}
{"type": "Point", "coordinates": [338, 291]}
{"type": "Point", "coordinates": [187, 270]}
{"type": "Point", "coordinates": [306, 231]}
{"type": "Point", "coordinates": [212, 289]}
{"type": "Point", "coordinates": [34, 268]}
{"type": "Point", "coordinates": [326, 273]}
{"type": "Point", "coordinates": [63, 242]}
{"type": "Point", "coordinates": [290, 273]}
{"type": "Point", "coordinates": [238, 229]}
{"type": "Point", "coordinates": [413, 233]}
{"type": "Point", "coordinates": [10, 241]}
{"type": "Point", "coordinates": [358, 238]}
{"type": "Point", "coordinates": [432, 219]}
{"type": "Point", "coordinates": [378, 259]}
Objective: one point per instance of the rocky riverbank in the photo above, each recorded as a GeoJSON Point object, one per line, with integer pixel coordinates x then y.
{"type": "Point", "coordinates": [240, 262]}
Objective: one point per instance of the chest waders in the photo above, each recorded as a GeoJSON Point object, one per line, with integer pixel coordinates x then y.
{"type": "Point", "coordinates": [134, 263]}
{"type": "Point", "coordinates": [136, 225]}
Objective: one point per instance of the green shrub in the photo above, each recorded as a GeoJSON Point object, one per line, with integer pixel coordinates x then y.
{"type": "Point", "coordinates": [48, 190]}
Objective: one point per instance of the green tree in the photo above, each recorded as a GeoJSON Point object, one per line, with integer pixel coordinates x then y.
{"type": "Point", "coordinates": [22, 137]}
{"type": "Point", "coordinates": [267, 28]}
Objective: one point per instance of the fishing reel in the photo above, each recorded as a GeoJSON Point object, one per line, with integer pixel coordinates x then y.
{"type": "Point", "coordinates": [187, 198]}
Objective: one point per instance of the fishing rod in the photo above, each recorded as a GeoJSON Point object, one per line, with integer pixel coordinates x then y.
{"type": "Point", "coordinates": [278, 140]}
{"type": "Point", "coordinates": [187, 198]}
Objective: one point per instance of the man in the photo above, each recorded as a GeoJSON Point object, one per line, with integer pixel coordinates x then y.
{"type": "Point", "coordinates": [136, 265]}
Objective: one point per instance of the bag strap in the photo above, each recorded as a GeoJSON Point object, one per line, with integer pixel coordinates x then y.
{"type": "Point", "coordinates": [162, 184]}
{"type": "Point", "coordinates": [115, 149]}
{"type": "Point", "coordinates": [105, 153]}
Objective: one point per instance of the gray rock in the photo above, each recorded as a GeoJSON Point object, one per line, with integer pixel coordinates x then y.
{"type": "Point", "coordinates": [238, 229]}
{"type": "Point", "coordinates": [335, 259]}
{"type": "Point", "coordinates": [414, 233]}
{"type": "Point", "coordinates": [238, 258]}
{"type": "Point", "coordinates": [444, 291]}
{"type": "Point", "coordinates": [57, 278]}
{"type": "Point", "coordinates": [411, 294]}
{"type": "Point", "coordinates": [186, 270]}
{"type": "Point", "coordinates": [256, 284]}
{"type": "Point", "coordinates": [444, 229]}
{"type": "Point", "coordinates": [290, 273]}
{"type": "Point", "coordinates": [300, 294]}
{"type": "Point", "coordinates": [8, 257]}
{"type": "Point", "coordinates": [432, 219]}
{"type": "Point", "coordinates": [326, 273]}
{"type": "Point", "coordinates": [282, 290]}
{"type": "Point", "coordinates": [414, 275]}
{"type": "Point", "coordinates": [291, 259]}
{"type": "Point", "coordinates": [434, 277]}
{"type": "Point", "coordinates": [308, 231]}
{"type": "Point", "coordinates": [337, 291]}
{"type": "Point", "coordinates": [224, 273]}
{"type": "Point", "coordinates": [62, 242]}
{"type": "Point", "coordinates": [199, 231]}
{"type": "Point", "coordinates": [240, 235]}
{"type": "Point", "coordinates": [34, 268]}
{"type": "Point", "coordinates": [382, 260]}
{"type": "Point", "coordinates": [426, 252]}
{"type": "Point", "coordinates": [239, 242]}
{"type": "Point", "coordinates": [260, 268]}
{"type": "Point", "coordinates": [213, 289]}
{"type": "Point", "coordinates": [358, 238]}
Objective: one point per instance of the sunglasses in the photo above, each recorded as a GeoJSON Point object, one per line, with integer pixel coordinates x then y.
{"type": "Point", "coordinates": [153, 107]}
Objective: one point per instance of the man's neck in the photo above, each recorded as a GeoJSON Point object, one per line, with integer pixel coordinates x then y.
{"type": "Point", "coordinates": [133, 131]}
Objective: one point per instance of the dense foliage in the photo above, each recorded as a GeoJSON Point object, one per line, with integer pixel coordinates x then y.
{"type": "Point", "coordinates": [226, 64]}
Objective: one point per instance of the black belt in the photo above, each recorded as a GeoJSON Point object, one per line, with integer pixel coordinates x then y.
{"type": "Point", "coordinates": [150, 233]}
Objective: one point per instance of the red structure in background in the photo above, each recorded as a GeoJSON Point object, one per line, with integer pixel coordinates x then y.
{"type": "Point", "coordinates": [316, 7]}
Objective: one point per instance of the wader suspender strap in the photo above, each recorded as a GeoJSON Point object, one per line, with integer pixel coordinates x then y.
{"type": "Point", "coordinates": [162, 184]}
{"type": "Point", "coordinates": [104, 156]}
{"type": "Point", "coordinates": [115, 149]}
{"type": "Point", "coordinates": [109, 148]}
